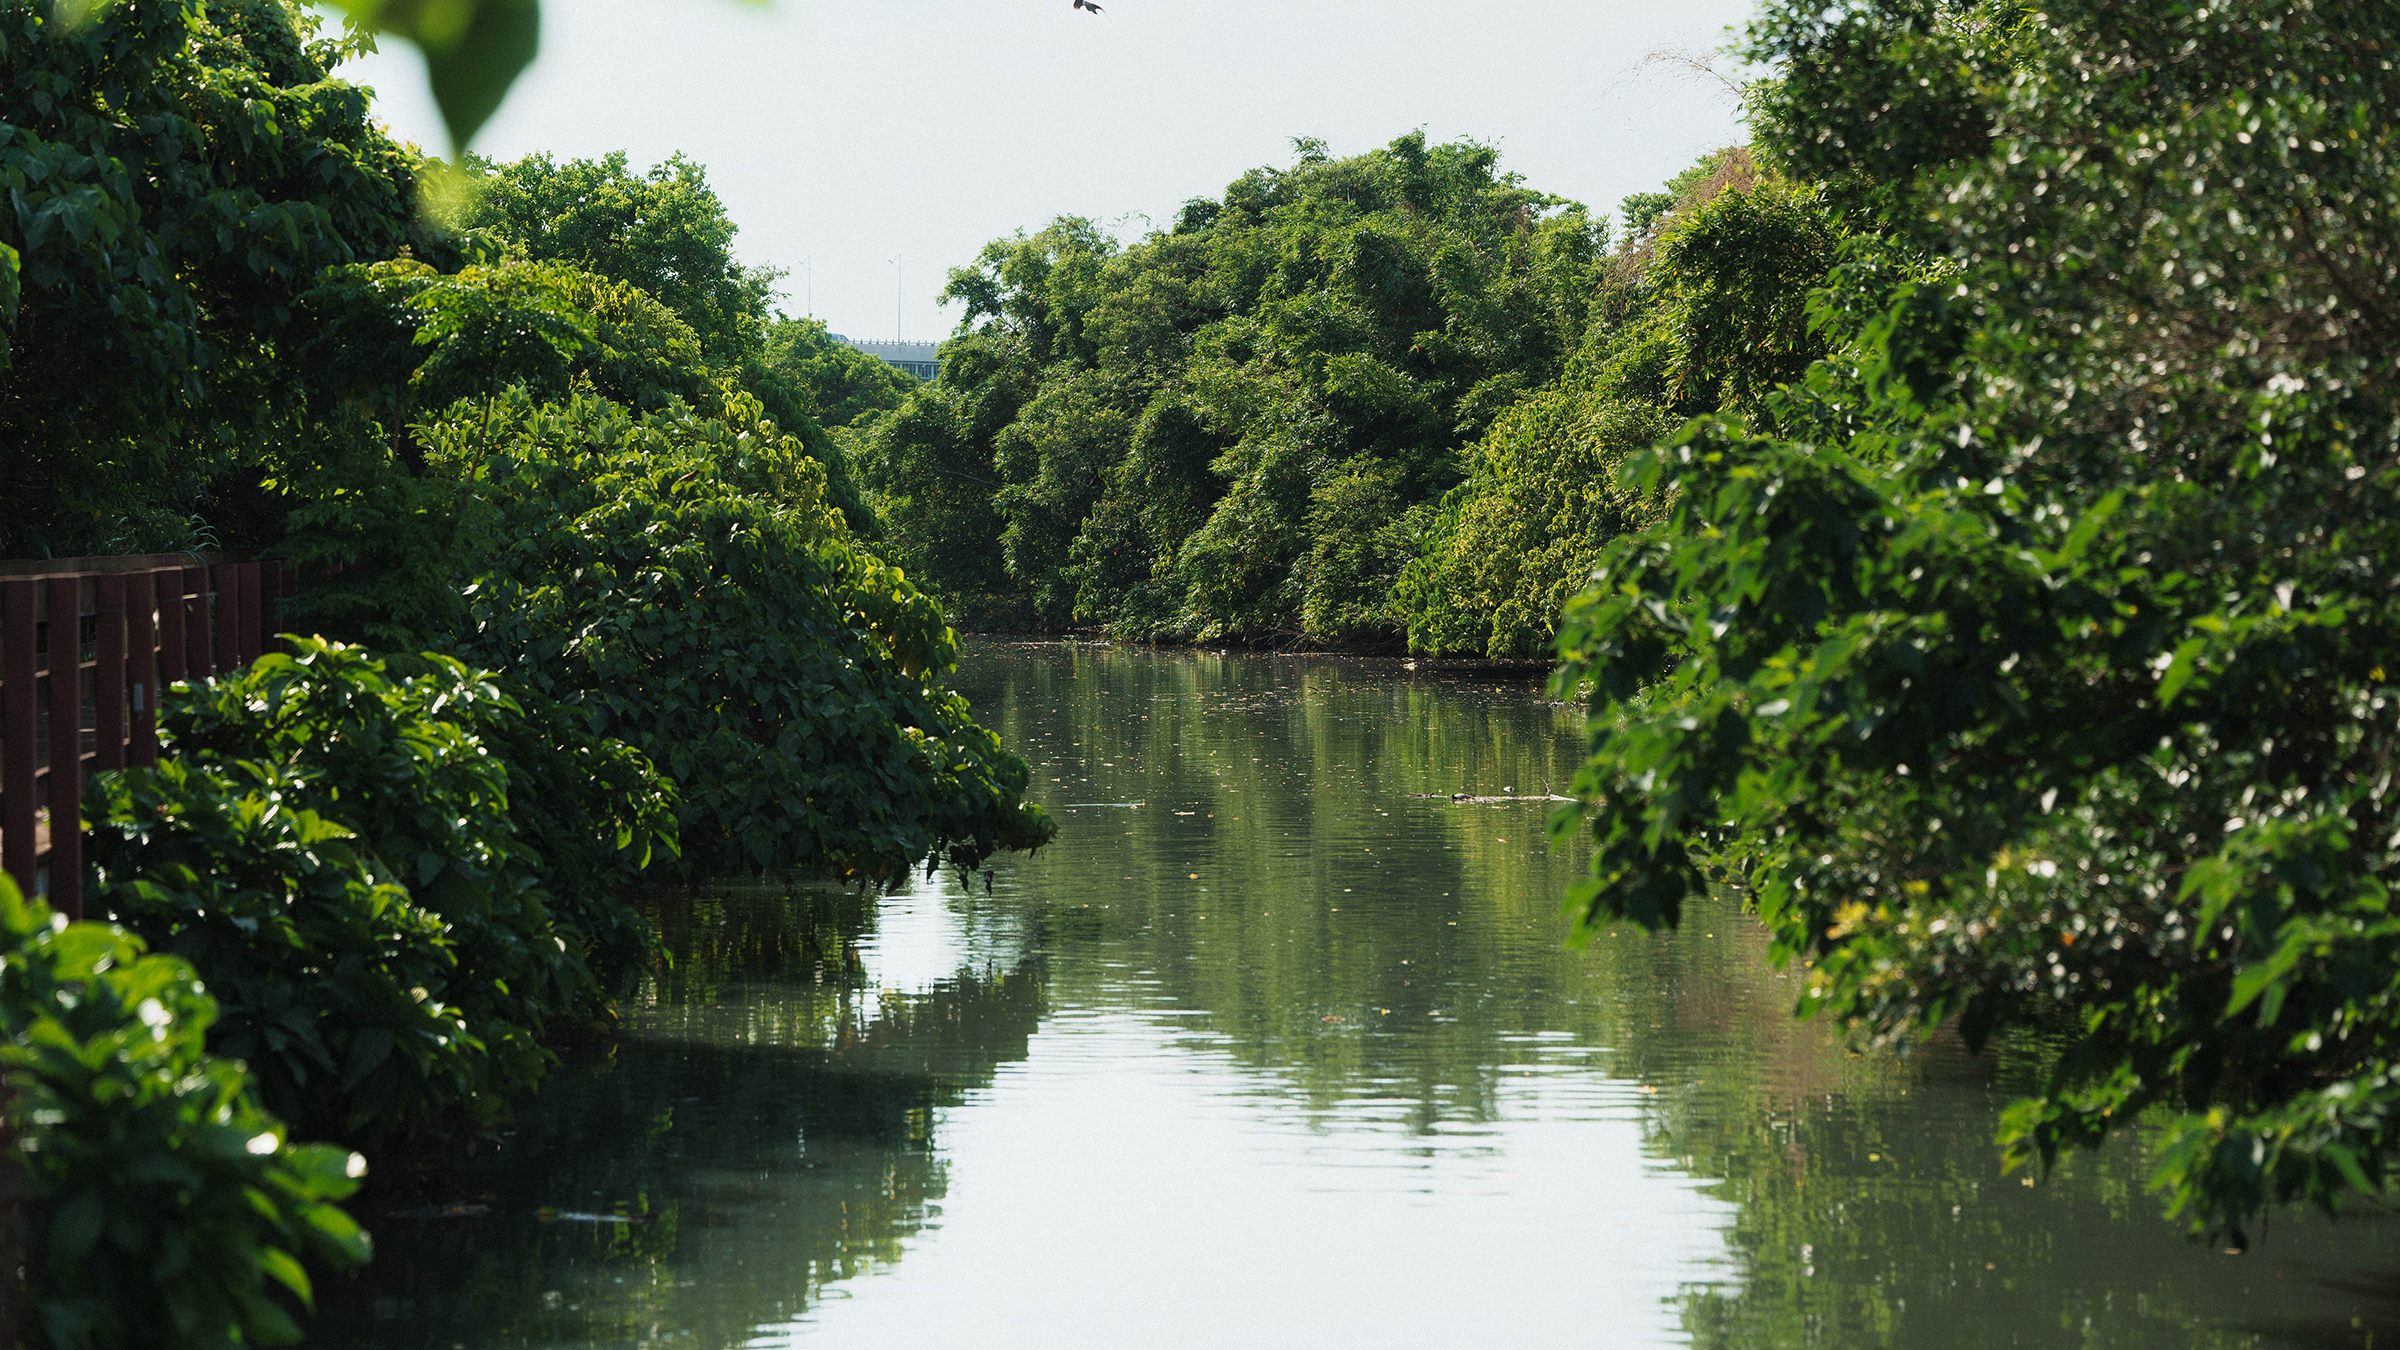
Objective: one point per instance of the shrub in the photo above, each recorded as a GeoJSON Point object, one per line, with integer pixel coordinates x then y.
{"type": "Point", "coordinates": [680, 581]}
{"type": "Point", "coordinates": [331, 977]}
{"type": "Point", "coordinates": [591, 814]}
{"type": "Point", "coordinates": [336, 845]}
{"type": "Point", "coordinates": [483, 809]}
{"type": "Point", "coordinates": [163, 1207]}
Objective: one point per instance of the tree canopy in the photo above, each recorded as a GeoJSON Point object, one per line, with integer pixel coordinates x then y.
{"type": "Point", "coordinates": [179, 175]}
{"type": "Point", "coordinates": [662, 230]}
{"type": "Point", "coordinates": [1231, 427]}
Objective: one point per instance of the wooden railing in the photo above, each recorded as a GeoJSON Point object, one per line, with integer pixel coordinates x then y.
{"type": "Point", "coordinates": [85, 646]}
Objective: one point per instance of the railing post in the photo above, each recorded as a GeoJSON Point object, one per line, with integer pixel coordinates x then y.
{"type": "Point", "coordinates": [141, 672]}
{"type": "Point", "coordinates": [254, 616]}
{"type": "Point", "coordinates": [174, 649]}
{"type": "Point", "coordinates": [225, 579]}
{"type": "Point", "coordinates": [200, 654]}
{"type": "Point", "coordinates": [17, 714]}
{"type": "Point", "coordinates": [64, 641]}
{"type": "Point", "coordinates": [108, 673]}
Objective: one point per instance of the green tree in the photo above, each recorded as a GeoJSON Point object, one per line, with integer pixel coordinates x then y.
{"type": "Point", "coordinates": [663, 230]}
{"type": "Point", "coordinates": [1705, 311]}
{"type": "Point", "coordinates": [1522, 534]}
{"type": "Point", "coordinates": [177, 176]}
{"type": "Point", "coordinates": [681, 580]}
{"type": "Point", "coordinates": [662, 236]}
{"type": "Point", "coordinates": [838, 384]}
{"type": "Point", "coordinates": [2031, 673]}
{"type": "Point", "coordinates": [929, 467]}
{"type": "Point", "coordinates": [405, 339]}
{"type": "Point", "coordinates": [1214, 432]}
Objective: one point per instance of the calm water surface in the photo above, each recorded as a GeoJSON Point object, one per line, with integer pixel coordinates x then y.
{"type": "Point", "coordinates": [1277, 1046]}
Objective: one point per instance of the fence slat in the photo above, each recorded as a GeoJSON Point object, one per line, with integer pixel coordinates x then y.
{"type": "Point", "coordinates": [254, 619]}
{"type": "Point", "coordinates": [226, 580]}
{"type": "Point", "coordinates": [63, 640]}
{"type": "Point", "coordinates": [141, 670]}
{"type": "Point", "coordinates": [173, 657]}
{"type": "Point", "coordinates": [200, 652]}
{"type": "Point", "coordinates": [16, 729]}
{"type": "Point", "coordinates": [108, 673]}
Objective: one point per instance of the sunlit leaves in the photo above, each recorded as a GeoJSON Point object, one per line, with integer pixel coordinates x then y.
{"type": "Point", "coordinates": [156, 1202]}
{"type": "Point", "coordinates": [334, 845]}
{"type": "Point", "coordinates": [681, 581]}
{"type": "Point", "coordinates": [177, 174]}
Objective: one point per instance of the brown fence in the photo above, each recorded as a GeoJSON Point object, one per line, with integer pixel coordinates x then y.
{"type": "Point", "coordinates": [85, 646]}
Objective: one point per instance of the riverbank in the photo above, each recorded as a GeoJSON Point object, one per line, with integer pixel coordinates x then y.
{"type": "Point", "coordinates": [1394, 652]}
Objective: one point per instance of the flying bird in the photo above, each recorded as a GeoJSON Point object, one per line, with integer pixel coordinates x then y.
{"type": "Point", "coordinates": [1087, 4]}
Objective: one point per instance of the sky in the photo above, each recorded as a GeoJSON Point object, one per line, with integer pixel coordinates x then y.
{"type": "Point", "coordinates": [845, 136]}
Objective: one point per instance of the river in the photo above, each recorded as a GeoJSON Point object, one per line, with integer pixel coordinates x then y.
{"type": "Point", "coordinates": [1280, 1046]}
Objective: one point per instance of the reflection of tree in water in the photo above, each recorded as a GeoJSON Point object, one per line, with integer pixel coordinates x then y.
{"type": "Point", "coordinates": [1869, 1209]}
{"type": "Point", "coordinates": [766, 1121]}
{"type": "Point", "coordinates": [1297, 859]}
{"type": "Point", "coordinates": [1877, 1215]}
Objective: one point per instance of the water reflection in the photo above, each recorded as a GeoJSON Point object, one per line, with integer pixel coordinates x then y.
{"type": "Point", "coordinates": [764, 1129]}
{"type": "Point", "coordinates": [1278, 1046]}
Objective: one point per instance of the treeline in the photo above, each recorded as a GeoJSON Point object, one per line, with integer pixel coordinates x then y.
{"type": "Point", "coordinates": [595, 597]}
{"type": "Point", "coordinates": [1353, 401]}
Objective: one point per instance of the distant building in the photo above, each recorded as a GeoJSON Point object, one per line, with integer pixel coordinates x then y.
{"type": "Point", "coordinates": [920, 359]}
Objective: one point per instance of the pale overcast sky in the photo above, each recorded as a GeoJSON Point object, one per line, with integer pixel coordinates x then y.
{"type": "Point", "coordinates": [844, 135]}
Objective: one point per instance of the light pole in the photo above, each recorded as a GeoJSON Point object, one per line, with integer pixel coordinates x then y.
{"type": "Point", "coordinates": [808, 289]}
{"type": "Point", "coordinates": [899, 279]}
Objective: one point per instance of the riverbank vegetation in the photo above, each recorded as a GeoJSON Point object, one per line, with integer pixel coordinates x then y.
{"type": "Point", "coordinates": [2026, 663]}
{"type": "Point", "coordinates": [1352, 402]}
{"type": "Point", "coordinates": [599, 604]}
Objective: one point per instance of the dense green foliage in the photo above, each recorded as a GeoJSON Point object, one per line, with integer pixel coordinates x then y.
{"type": "Point", "coordinates": [682, 582]}
{"type": "Point", "coordinates": [2028, 666]}
{"type": "Point", "coordinates": [329, 970]}
{"type": "Point", "coordinates": [1521, 535]}
{"type": "Point", "coordinates": [663, 236]}
{"type": "Point", "coordinates": [1704, 312]}
{"type": "Point", "coordinates": [355, 364]}
{"type": "Point", "coordinates": [161, 1206]}
{"type": "Point", "coordinates": [176, 175]}
{"type": "Point", "coordinates": [839, 383]}
{"type": "Point", "coordinates": [402, 338]}
{"type": "Point", "coordinates": [334, 846]}
{"type": "Point", "coordinates": [663, 231]}
{"type": "Point", "coordinates": [1354, 400]}
{"type": "Point", "coordinates": [1228, 429]}
{"type": "Point", "coordinates": [809, 725]}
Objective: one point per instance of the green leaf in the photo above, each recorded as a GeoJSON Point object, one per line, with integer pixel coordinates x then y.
{"type": "Point", "coordinates": [2179, 671]}
{"type": "Point", "coordinates": [280, 1266]}
{"type": "Point", "coordinates": [474, 66]}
